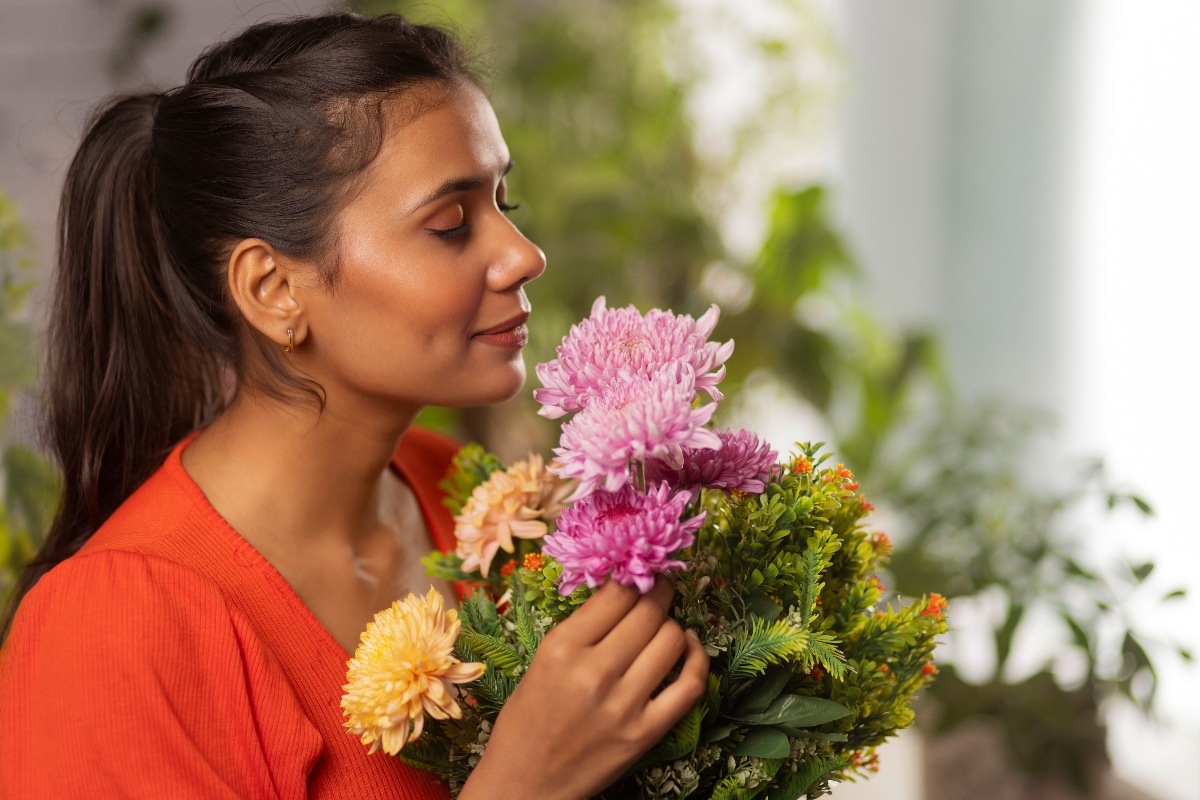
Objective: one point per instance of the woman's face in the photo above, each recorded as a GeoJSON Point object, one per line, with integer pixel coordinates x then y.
{"type": "Point", "coordinates": [429, 304]}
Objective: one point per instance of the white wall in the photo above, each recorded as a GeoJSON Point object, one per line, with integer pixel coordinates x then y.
{"type": "Point", "coordinates": [54, 57]}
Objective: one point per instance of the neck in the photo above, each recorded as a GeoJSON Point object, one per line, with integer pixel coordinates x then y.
{"type": "Point", "coordinates": [296, 473]}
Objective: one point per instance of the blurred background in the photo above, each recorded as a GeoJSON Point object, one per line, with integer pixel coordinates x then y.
{"type": "Point", "coordinates": [951, 238]}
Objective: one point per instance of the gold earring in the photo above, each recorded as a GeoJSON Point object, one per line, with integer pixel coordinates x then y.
{"type": "Point", "coordinates": [291, 342]}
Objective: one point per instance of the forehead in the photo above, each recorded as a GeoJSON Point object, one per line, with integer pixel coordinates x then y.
{"type": "Point", "coordinates": [440, 133]}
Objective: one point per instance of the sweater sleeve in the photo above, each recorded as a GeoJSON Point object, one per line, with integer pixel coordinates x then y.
{"type": "Point", "coordinates": [125, 676]}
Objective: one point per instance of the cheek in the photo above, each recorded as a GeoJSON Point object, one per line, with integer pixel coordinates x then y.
{"type": "Point", "coordinates": [420, 299]}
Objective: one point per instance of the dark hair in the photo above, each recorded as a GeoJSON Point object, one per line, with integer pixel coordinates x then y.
{"type": "Point", "coordinates": [263, 140]}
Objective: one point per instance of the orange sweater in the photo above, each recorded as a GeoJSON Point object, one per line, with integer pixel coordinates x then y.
{"type": "Point", "coordinates": [169, 659]}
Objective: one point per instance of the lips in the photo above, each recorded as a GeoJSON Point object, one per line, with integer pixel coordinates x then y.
{"type": "Point", "coordinates": [509, 324]}
{"type": "Point", "coordinates": [511, 333]}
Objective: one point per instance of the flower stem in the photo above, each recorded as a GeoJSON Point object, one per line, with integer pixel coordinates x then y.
{"type": "Point", "coordinates": [639, 475]}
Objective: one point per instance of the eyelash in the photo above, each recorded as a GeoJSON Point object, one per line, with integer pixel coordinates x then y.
{"type": "Point", "coordinates": [458, 230]}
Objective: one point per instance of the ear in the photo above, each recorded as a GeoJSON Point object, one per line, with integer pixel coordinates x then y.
{"type": "Point", "coordinates": [262, 284]}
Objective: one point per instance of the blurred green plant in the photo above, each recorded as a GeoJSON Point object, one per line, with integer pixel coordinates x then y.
{"type": "Point", "coordinates": [144, 25]}
{"type": "Point", "coordinates": [982, 522]}
{"type": "Point", "coordinates": [29, 489]}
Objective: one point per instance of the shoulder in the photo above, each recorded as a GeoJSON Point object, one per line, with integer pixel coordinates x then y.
{"type": "Point", "coordinates": [163, 504]}
{"type": "Point", "coordinates": [145, 656]}
{"type": "Point", "coordinates": [153, 607]}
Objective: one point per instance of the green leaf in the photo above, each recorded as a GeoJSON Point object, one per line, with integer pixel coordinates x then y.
{"type": "Point", "coordinates": [763, 607]}
{"type": "Point", "coordinates": [1142, 571]}
{"type": "Point", "coordinates": [763, 743]}
{"type": "Point", "coordinates": [1142, 505]}
{"type": "Point", "coordinates": [446, 566]}
{"type": "Point", "coordinates": [807, 734]}
{"type": "Point", "coordinates": [1006, 632]}
{"type": "Point", "coordinates": [798, 711]}
{"type": "Point", "coordinates": [763, 691]}
{"type": "Point", "coordinates": [719, 732]}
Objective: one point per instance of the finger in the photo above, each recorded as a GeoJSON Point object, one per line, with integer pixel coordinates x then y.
{"type": "Point", "coordinates": [653, 663]}
{"type": "Point", "coordinates": [635, 630]}
{"type": "Point", "coordinates": [592, 621]}
{"type": "Point", "coordinates": [673, 702]}
{"type": "Point", "coordinates": [663, 591]}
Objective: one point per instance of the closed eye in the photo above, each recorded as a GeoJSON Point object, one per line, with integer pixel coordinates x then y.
{"type": "Point", "coordinates": [450, 233]}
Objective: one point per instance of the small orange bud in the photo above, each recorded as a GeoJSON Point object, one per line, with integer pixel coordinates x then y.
{"type": "Point", "coordinates": [937, 604]}
{"type": "Point", "coordinates": [534, 562]}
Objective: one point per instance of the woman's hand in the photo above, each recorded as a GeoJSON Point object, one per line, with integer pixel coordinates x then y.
{"type": "Point", "coordinates": [583, 713]}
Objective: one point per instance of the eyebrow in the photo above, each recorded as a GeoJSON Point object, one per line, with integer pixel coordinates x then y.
{"type": "Point", "coordinates": [465, 184]}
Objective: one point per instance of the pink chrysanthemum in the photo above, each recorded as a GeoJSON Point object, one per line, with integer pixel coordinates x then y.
{"type": "Point", "coordinates": [635, 419]}
{"type": "Point", "coordinates": [629, 535]}
{"type": "Point", "coordinates": [616, 340]}
{"type": "Point", "coordinates": [742, 463]}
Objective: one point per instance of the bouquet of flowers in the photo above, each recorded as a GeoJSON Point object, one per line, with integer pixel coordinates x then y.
{"type": "Point", "coordinates": [773, 566]}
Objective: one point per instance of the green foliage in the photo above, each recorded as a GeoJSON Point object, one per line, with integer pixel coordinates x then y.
{"type": "Point", "coordinates": [30, 485]}
{"type": "Point", "coordinates": [145, 24]}
{"type": "Point", "coordinates": [1013, 542]}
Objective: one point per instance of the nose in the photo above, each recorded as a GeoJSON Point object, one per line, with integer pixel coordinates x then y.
{"type": "Point", "coordinates": [516, 262]}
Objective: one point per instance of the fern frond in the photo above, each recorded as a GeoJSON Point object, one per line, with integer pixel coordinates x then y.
{"type": "Point", "coordinates": [823, 648]}
{"type": "Point", "coordinates": [492, 690]}
{"type": "Point", "coordinates": [682, 739]}
{"type": "Point", "coordinates": [495, 651]}
{"type": "Point", "coordinates": [527, 634]}
{"type": "Point", "coordinates": [762, 645]}
{"type": "Point", "coordinates": [478, 613]}
{"type": "Point", "coordinates": [731, 786]}
{"type": "Point", "coordinates": [812, 771]}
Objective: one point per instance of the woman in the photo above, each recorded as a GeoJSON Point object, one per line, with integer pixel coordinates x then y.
{"type": "Point", "coordinates": [290, 254]}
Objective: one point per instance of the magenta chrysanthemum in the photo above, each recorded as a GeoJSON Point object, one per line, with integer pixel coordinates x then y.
{"type": "Point", "coordinates": [635, 419]}
{"type": "Point", "coordinates": [616, 340]}
{"type": "Point", "coordinates": [629, 535]}
{"type": "Point", "coordinates": [742, 463]}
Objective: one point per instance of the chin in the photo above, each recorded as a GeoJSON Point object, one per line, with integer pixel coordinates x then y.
{"type": "Point", "coordinates": [496, 390]}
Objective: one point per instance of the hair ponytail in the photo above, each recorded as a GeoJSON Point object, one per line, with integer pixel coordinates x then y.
{"type": "Point", "coordinates": [262, 141]}
{"type": "Point", "coordinates": [123, 379]}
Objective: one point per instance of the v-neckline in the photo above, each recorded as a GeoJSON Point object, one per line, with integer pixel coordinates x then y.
{"type": "Point", "coordinates": [428, 501]}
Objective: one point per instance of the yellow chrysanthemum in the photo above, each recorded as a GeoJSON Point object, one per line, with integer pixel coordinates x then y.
{"type": "Point", "coordinates": [514, 503]}
{"type": "Point", "coordinates": [405, 667]}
